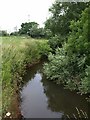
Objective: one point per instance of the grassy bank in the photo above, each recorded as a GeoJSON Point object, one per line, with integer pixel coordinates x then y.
{"type": "Point", "coordinates": [17, 52]}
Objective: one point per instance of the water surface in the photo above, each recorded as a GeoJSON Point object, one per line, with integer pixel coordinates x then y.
{"type": "Point", "coordinates": [44, 99]}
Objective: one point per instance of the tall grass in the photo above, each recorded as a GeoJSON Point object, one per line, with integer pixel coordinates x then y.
{"type": "Point", "coordinates": [0, 78]}
{"type": "Point", "coordinates": [17, 52]}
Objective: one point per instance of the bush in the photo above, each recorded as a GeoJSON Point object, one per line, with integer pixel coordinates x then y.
{"type": "Point", "coordinates": [71, 64]}
{"type": "Point", "coordinates": [55, 69]}
{"type": "Point", "coordinates": [56, 41]}
{"type": "Point", "coordinates": [85, 82]}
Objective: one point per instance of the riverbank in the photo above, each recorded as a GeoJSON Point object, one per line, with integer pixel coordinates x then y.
{"type": "Point", "coordinates": [17, 52]}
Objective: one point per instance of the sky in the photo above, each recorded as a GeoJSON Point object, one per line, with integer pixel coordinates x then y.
{"type": "Point", "coordinates": [15, 12]}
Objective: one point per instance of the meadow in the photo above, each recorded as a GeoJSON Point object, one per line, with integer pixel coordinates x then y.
{"type": "Point", "coordinates": [17, 53]}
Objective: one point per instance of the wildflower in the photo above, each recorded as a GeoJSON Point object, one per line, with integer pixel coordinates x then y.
{"type": "Point", "coordinates": [8, 114]}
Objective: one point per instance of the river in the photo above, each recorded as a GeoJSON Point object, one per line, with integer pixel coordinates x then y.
{"type": "Point", "coordinates": [41, 98]}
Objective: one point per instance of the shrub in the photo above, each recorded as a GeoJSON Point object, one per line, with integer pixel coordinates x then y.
{"type": "Point", "coordinates": [71, 64]}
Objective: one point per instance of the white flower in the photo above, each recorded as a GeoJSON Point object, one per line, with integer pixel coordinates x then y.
{"type": "Point", "coordinates": [8, 114]}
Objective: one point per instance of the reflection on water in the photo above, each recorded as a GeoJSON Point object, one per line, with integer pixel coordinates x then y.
{"type": "Point", "coordinates": [44, 99]}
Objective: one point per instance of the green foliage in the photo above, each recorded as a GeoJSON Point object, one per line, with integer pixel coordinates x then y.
{"type": "Point", "coordinates": [48, 33]}
{"type": "Point", "coordinates": [55, 69]}
{"type": "Point", "coordinates": [56, 41]}
{"type": "Point", "coordinates": [62, 14]}
{"type": "Point", "coordinates": [85, 82]}
{"type": "Point", "coordinates": [70, 64]}
{"type": "Point", "coordinates": [25, 27]}
{"type": "Point", "coordinates": [3, 33]}
{"type": "Point", "coordinates": [32, 29]}
{"type": "Point", "coordinates": [14, 34]}
{"type": "Point", "coordinates": [12, 64]}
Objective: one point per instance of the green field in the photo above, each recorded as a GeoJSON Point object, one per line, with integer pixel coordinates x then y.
{"type": "Point", "coordinates": [17, 52]}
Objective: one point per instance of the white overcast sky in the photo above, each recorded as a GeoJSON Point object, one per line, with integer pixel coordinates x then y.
{"type": "Point", "coordinates": [14, 12]}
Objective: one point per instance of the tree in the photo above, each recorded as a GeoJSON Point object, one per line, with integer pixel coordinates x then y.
{"type": "Point", "coordinates": [78, 45]}
{"type": "Point", "coordinates": [71, 63]}
{"type": "Point", "coordinates": [14, 33]}
{"type": "Point", "coordinates": [33, 32]}
{"type": "Point", "coordinates": [26, 27]}
{"type": "Point", "coordinates": [32, 29]}
{"type": "Point", "coordinates": [3, 33]}
{"type": "Point", "coordinates": [62, 14]}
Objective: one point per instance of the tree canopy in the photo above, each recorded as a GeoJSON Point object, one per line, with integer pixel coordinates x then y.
{"type": "Point", "coordinates": [32, 29]}
{"type": "Point", "coordinates": [62, 13]}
